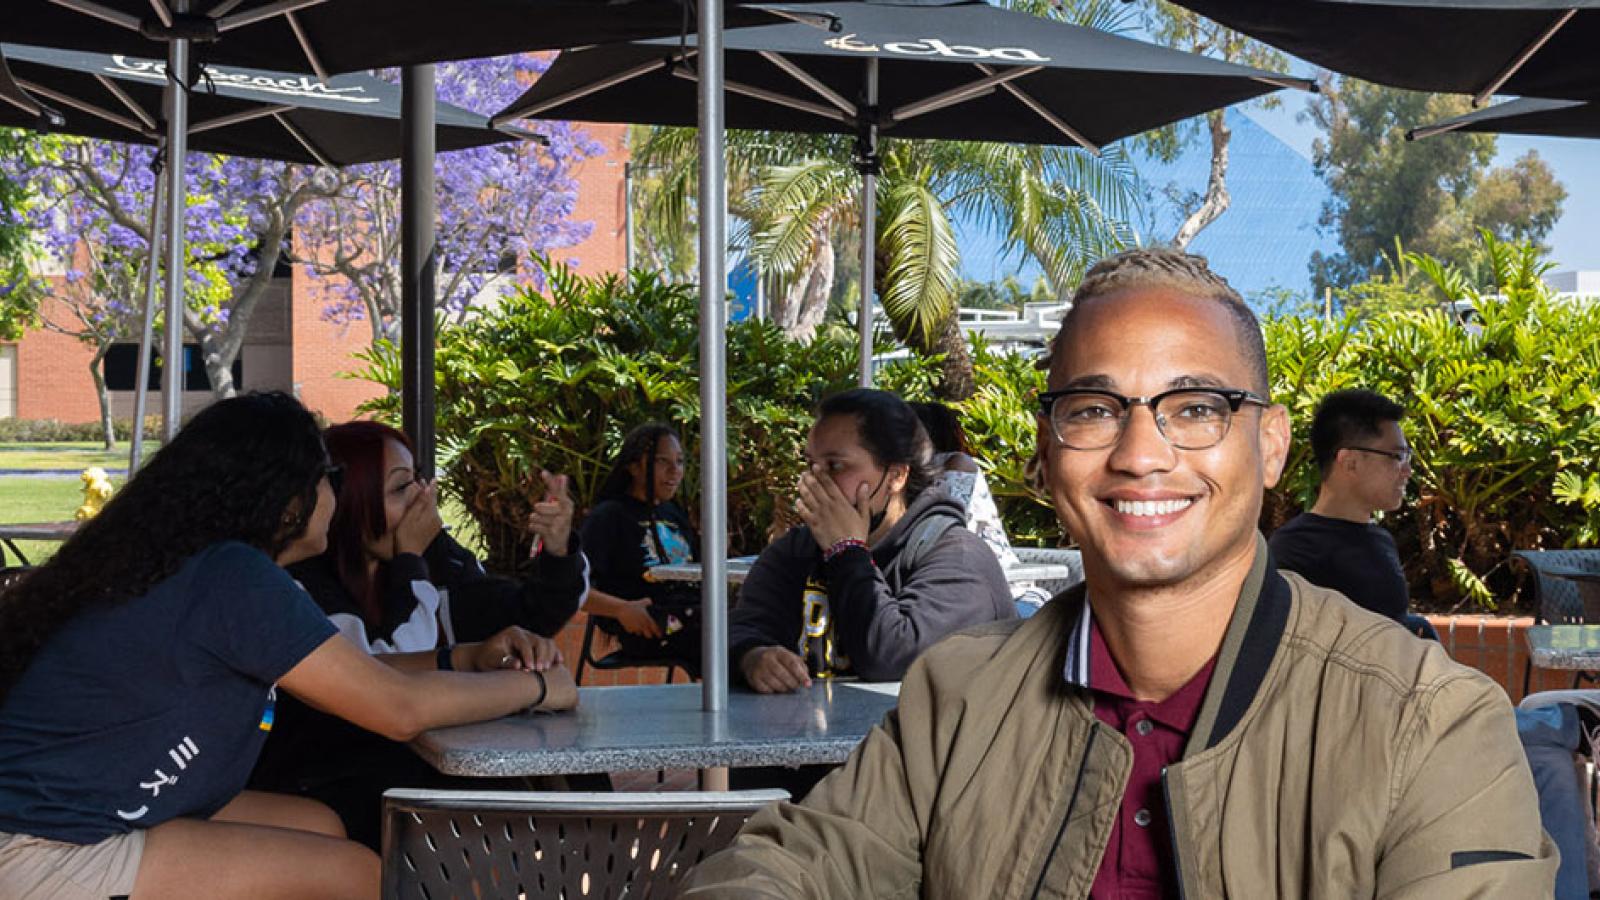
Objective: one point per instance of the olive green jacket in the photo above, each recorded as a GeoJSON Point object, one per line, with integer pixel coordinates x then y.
{"type": "Point", "coordinates": [1335, 756]}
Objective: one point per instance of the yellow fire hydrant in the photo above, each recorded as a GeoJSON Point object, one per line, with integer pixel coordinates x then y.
{"type": "Point", "coordinates": [96, 491]}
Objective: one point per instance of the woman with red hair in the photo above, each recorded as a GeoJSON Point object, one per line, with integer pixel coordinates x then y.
{"type": "Point", "coordinates": [397, 585]}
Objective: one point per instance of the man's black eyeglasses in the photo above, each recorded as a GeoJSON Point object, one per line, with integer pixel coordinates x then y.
{"type": "Point", "coordinates": [1189, 418]}
{"type": "Point", "coordinates": [335, 475]}
{"type": "Point", "coordinates": [1403, 457]}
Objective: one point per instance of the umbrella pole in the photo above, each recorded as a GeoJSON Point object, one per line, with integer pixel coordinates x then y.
{"type": "Point", "coordinates": [177, 109]}
{"type": "Point", "coordinates": [417, 246]}
{"type": "Point", "coordinates": [867, 163]}
{"type": "Point", "coordinates": [141, 381]}
{"type": "Point", "coordinates": [713, 205]}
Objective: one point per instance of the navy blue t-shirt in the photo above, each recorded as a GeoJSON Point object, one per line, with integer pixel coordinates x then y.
{"type": "Point", "coordinates": [157, 707]}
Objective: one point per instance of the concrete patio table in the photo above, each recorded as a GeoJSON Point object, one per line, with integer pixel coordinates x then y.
{"type": "Point", "coordinates": [739, 570]}
{"type": "Point", "coordinates": [663, 727]}
{"type": "Point", "coordinates": [40, 531]}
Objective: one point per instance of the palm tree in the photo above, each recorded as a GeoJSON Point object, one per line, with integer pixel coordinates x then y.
{"type": "Point", "coordinates": [795, 195]}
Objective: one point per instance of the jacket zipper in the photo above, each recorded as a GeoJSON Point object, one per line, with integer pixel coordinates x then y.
{"type": "Point", "coordinates": [1172, 831]}
{"type": "Point", "coordinates": [1077, 785]}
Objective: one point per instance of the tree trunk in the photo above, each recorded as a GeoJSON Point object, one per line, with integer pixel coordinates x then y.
{"type": "Point", "coordinates": [801, 308]}
{"type": "Point", "coordinates": [1216, 198]}
{"type": "Point", "coordinates": [957, 380]}
{"type": "Point", "coordinates": [108, 434]}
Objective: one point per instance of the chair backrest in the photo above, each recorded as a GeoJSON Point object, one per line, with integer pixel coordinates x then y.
{"type": "Point", "coordinates": [1056, 556]}
{"type": "Point", "coordinates": [1558, 599]}
{"type": "Point", "coordinates": [554, 845]}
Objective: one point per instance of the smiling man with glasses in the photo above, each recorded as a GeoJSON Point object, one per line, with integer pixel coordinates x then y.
{"type": "Point", "coordinates": [1189, 722]}
{"type": "Point", "coordinates": [1365, 464]}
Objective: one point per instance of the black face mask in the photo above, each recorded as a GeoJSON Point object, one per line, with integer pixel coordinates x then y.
{"type": "Point", "coordinates": [876, 519]}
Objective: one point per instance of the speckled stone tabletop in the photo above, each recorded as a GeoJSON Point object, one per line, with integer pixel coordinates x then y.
{"type": "Point", "coordinates": [663, 727]}
{"type": "Point", "coordinates": [1565, 646]}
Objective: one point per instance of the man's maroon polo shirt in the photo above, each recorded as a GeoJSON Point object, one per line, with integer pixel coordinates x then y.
{"type": "Point", "coordinates": [1138, 863]}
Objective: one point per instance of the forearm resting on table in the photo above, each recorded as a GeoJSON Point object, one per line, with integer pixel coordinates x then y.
{"type": "Point", "coordinates": [339, 679]}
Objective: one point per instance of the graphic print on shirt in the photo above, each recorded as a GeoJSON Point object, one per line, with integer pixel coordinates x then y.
{"type": "Point", "coordinates": [816, 633]}
{"type": "Point", "coordinates": [671, 541]}
{"type": "Point", "coordinates": [181, 755]}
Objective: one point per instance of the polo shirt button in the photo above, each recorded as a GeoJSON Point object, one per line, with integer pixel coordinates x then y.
{"type": "Point", "coordinates": [1143, 727]}
{"type": "Point", "coordinates": [1142, 818]}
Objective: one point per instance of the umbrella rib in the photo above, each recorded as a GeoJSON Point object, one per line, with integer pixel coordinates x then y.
{"type": "Point", "coordinates": [12, 93]}
{"type": "Point", "coordinates": [578, 93]}
{"type": "Point", "coordinates": [101, 12]}
{"type": "Point", "coordinates": [304, 141]}
{"type": "Point", "coordinates": [246, 115]}
{"type": "Point", "coordinates": [83, 106]}
{"type": "Point", "coordinates": [806, 78]}
{"type": "Point", "coordinates": [1038, 108]}
{"type": "Point", "coordinates": [1293, 84]}
{"type": "Point", "coordinates": [117, 91]}
{"type": "Point", "coordinates": [1428, 131]}
{"type": "Point", "coordinates": [816, 109]}
{"type": "Point", "coordinates": [250, 17]}
{"type": "Point", "coordinates": [162, 12]}
{"type": "Point", "coordinates": [1523, 57]}
{"type": "Point", "coordinates": [223, 8]}
{"type": "Point", "coordinates": [960, 94]}
{"type": "Point", "coordinates": [305, 45]}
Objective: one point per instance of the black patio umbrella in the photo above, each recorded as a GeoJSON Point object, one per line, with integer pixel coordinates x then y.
{"type": "Point", "coordinates": [233, 111]}
{"type": "Point", "coordinates": [958, 72]}
{"type": "Point", "coordinates": [1541, 48]}
{"type": "Point", "coordinates": [1530, 115]}
{"type": "Point", "coordinates": [238, 112]}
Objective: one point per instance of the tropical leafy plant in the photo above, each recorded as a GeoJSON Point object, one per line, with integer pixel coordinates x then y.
{"type": "Point", "coordinates": [1503, 417]}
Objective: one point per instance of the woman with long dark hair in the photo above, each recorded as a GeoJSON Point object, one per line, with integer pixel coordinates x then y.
{"type": "Point", "coordinates": [138, 676]}
{"type": "Point", "coordinates": [396, 584]}
{"type": "Point", "coordinates": [881, 567]}
{"type": "Point", "coordinates": [637, 525]}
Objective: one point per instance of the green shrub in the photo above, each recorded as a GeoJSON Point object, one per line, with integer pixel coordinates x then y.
{"type": "Point", "coordinates": [51, 431]}
{"type": "Point", "coordinates": [1503, 417]}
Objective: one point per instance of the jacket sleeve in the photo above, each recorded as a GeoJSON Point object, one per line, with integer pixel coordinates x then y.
{"type": "Point", "coordinates": [860, 831]}
{"type": "Point", "coordinates": [769, 600]}
{"type": "Point", "coordinates": [546, 592]}
{"type": "Point", "coordinates": [410, 606]}
{"type": "Point", "coordinates": [958, 583]}
{"type": "Point", "coordinates": [1466, 816]}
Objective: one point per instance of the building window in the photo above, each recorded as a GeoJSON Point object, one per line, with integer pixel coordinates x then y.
{"type": "Point", "coordinates": [122, 361]}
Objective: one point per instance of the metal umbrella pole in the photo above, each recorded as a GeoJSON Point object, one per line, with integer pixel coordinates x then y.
{"type": "Point", "coordinates": [868, 163]}
{"type": "Point", "coordinates": [177, 110]}
{"type": "Point", "coordinates": [141, 385]}
{"type": "Point", "coordinates": [713, 201]}
{"type": "Point", "coordinates": [417, 262]}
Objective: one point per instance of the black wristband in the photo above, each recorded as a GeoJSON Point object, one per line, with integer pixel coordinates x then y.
{"type": "Point", "coordinates": [544, 689]}
{"type": "Point", "coordinates": [442, 660]}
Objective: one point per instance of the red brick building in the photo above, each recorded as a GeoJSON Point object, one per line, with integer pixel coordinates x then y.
{"type": "Point", "coordinates": [289, 346]}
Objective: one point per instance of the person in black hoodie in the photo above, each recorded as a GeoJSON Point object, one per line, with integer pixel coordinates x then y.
{"type": "Point", "coordinates": [882, 567]}
{"type": "Point", "coordinates": [398, 586]}
{"type": "Point", "coordinates": [635, 526]}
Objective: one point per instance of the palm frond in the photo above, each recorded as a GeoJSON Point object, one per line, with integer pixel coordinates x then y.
{"type": "Point", "coordinates": [918, 244]}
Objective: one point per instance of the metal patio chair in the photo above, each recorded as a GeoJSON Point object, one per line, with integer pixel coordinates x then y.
{"type": "Point", "coordinates": [478, 845]}
{"type": "Point", "coordinates": [1558, 600]}
{"type": "Point", "coordinates": [1055, 556]}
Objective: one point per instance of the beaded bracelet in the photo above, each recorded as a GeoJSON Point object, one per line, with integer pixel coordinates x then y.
{"type": "Point", "coordinates": [840, 547]}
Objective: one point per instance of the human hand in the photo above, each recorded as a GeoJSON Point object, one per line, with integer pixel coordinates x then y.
{"type": "Point", "coordinates": [831, 516]}
{"type": "Point", "coordinates": [514, 648]}
{"type": "Point", "coordinates": [774, 670]}
{"type": "Point", "coordinates": [420, 523]}
{"type": "Point", "coordinates": [636, 619]}
{"type": "Point", "coordinates": [551, 519]}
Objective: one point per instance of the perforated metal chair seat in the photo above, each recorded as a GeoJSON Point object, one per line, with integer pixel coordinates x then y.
{"type": "Point", "coordinates": [479, 845]}
{"type": "Point", "coordinates": [1055, 556]}
{"type": "Point", "coordinates": [1558, 599]}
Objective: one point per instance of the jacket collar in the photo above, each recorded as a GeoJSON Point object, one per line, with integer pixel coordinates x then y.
{"type": "Point", "coordinates": [1260, 617]}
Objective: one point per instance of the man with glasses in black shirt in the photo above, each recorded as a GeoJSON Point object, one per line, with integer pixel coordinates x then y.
{"type": "Point", "coordinates": [1365, 464]}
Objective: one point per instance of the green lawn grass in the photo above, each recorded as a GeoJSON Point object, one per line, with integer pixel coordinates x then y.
{"type": "Point", "coordinates": [76, 455]}
{"type": "Point", "coordinates": [26, 498]}
{"type": "Point", "coordinates": [29, 499]}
